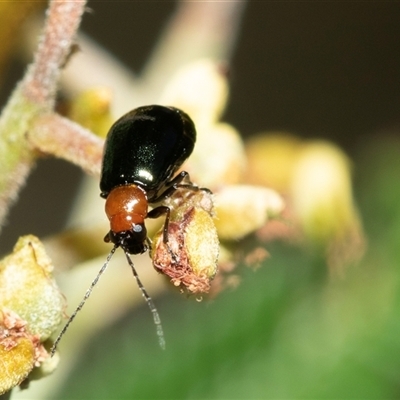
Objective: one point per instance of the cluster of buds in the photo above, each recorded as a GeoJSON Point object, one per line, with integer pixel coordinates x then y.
{"type": "Point", "coordinates": [200, 219]}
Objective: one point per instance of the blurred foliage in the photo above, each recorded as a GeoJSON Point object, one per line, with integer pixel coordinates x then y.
{"type": "Point", "coordinates": [288, 331]}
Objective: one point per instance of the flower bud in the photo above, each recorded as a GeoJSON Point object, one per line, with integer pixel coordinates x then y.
{"type": "Point", "coordinates": [200, 89]}
{"type": "Point", "coordinates": [190, 256]}
{"type": "Point", "coordinates": [213, 166]}
{"type": "Point", "coordinates": [242, 209]}
{"type": "Point", "coordinates": [92, 110]}
{"type": "Point", "coordinates": [31, 308]}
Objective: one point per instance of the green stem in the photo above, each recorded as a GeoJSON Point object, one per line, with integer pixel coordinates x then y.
{"type": "Point", "coordinates": [33, 96]}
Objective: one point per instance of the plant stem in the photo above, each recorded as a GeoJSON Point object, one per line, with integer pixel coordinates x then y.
{"type": "Point", "coordinates": [33, 96]}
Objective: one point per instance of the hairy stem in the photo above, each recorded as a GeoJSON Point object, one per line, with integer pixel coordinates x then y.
{"type": "Point", "coordinates": [63, 19]}
{"type": "Point", "coordinates": [33, 96]}
{"type": "Point", "coordinates": [60, 137]}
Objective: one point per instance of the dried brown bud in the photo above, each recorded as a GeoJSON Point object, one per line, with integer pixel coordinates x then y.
{"type": "Point", "coordinates": [189, 258]}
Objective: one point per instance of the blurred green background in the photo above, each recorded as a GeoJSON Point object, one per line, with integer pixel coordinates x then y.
{"type": "Point", "coordinates": [322, 70]}
{"type": "Point", "coordinates": [288, 331]}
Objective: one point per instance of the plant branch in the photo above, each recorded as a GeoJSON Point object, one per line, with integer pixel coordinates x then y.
{"type": "Point", "coordinates": [60, 137]}
{"type": "Point", "coordinates": [63, 19]}
{"type": "Point", "coordinates": [33, 96]}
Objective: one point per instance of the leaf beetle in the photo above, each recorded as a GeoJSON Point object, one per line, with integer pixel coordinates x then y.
{"type": "Point", "coordinates": [142, 153]}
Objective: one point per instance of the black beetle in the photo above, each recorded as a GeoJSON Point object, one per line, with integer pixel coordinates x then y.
{"type": "Point", "coordinates": [142, 152]}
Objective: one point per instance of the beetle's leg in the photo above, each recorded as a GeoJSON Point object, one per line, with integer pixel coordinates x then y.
{"type": "Point", "coordinates": [149, 243]}
{"type": "Point", "coordinates": [157, 212]}
{"type": "Point", "coordinates": [182, 180]}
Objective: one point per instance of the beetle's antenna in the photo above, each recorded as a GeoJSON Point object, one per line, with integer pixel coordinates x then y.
{"type": "Point", "coordinates": [82, 303]}
{"type": "Point", "coordinates": [150, 303]}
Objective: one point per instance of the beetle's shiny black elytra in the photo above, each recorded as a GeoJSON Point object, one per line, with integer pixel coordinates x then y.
{"type": "Point", "coordinates": [142, 152]}
{"type": "Point", "coordinates": [146, 147]}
